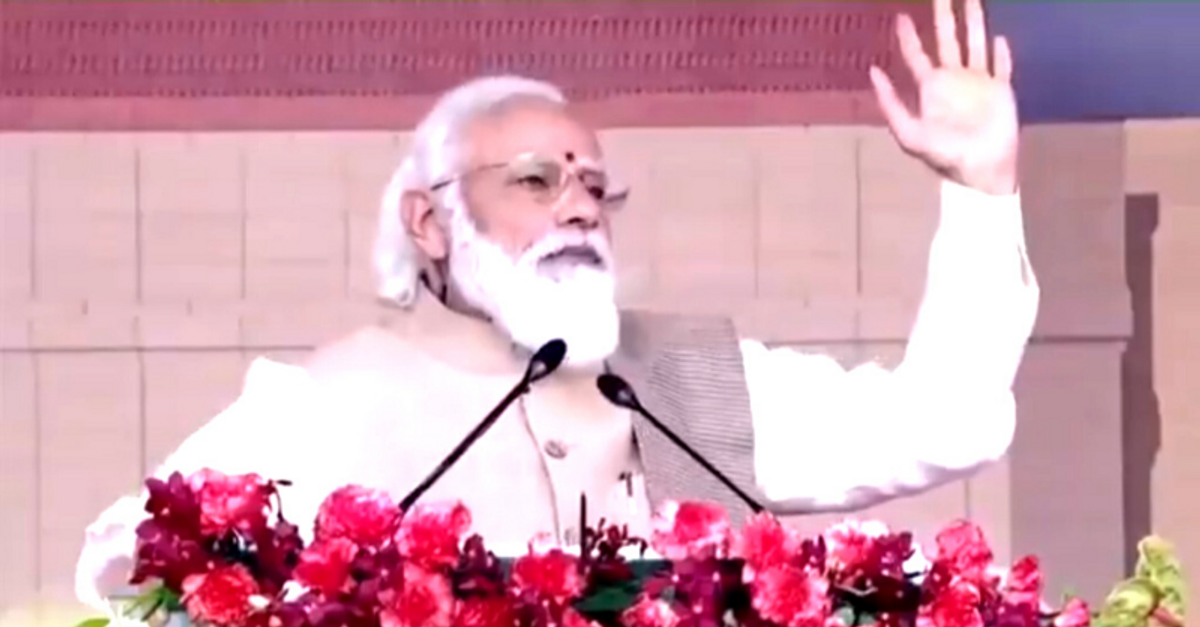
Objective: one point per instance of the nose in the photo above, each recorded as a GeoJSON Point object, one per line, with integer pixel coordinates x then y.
{"type": "Point", "coordinates": [578, 210]}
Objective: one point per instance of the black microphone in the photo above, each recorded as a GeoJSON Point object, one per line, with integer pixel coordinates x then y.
{"type": "Point", "coordinates": [546, 360]}
{"type": "Point", "coordinates": [620, 393]}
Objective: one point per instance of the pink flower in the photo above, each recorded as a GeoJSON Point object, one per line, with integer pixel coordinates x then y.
{"type": "Point", "coordinates": [1074, 614]}
{"type": "Point", "coordinates": [764, 543]}
{"type": "Point", "coordinates": [552, 575]}
{"type": "Point", "coordinates": [963, 549]}
{"type": "Point", "coordinates": [955, 605]}
{"type": "Point", "coordinates": [649, 612]}
{"type": "Point", "coordinates": [222, 597]}
{"type": "Point", "coordinates": [1023, 586]}
{"type": "Point", "coordinates": [430, 535]}
{"type": "Point", "coordinates": [690, 529]}
{"type": "Point", "coordinates": [849, 543]}
{"type": "Point", "coordinates": [325, 565]}
{"type": "Point", "coordinates": [572, 618]}
{"type": "Point", "coordinates": [792, 597]}
{"type": "Point", "coordinates": [231, 502]}
{"type": "Point", "coordinates": [366, 517]}
{"type": "Point", "coordinates": [423, 599]}
{"type": "Point", "coordinates": [856, 550]}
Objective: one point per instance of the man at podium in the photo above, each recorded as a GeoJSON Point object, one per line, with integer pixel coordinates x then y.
{"type": "Point", "coordinates": [494, 239]}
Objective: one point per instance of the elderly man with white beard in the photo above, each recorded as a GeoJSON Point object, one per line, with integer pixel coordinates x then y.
{"type": "Point", "coordinates": [494, 239]}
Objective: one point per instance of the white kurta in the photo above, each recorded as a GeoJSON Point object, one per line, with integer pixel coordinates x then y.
{"type": "Point", "coordinates": [946, 411]}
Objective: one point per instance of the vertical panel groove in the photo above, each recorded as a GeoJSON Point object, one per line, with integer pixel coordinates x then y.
{"type": "Point", "coordinates": [242, 195]}
{"type": "Point", "coordinates": [138, 230]}
{"type": "Point", "coordinates": [38, 518]}
{"type": "Point", "coordinates": [34, 283]}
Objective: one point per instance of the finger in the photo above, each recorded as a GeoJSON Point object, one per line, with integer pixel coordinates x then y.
{"type": "Point", "coordinates": [949, 53]}
{"type": "Point", "coordinates": [900, 120]}
{"type": "Point", "coordinates": [910, 46]}
{"type": "Point", "coordinates": [977, 54]}
{"type": "Point", "coordinates": [1002, 59]}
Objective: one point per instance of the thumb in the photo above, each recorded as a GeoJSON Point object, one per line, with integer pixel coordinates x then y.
{"type": "Point", "coordinates": [903, 125]}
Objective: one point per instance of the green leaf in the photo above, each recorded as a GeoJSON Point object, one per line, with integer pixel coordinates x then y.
{"type": "Point", "coordinates": [608, 600]}
{"type": "Point", "coordinates": [1129, 604]}
{"type": "Point", "coordinates": [1158, 563]}
{"type": "Point", "coordinates": [645, 569]}
{"type": "Point", "coordinates": [94, 622]}
{"type": "Point", "coordinates": [618, 598]}
{"type": "Point", "coordinates": [157, 601]}
{"type": "Point", "coordinates": [144, 605]}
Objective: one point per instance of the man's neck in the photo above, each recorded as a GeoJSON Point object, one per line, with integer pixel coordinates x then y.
{"type": "Point", "coordinates": [463, 340]}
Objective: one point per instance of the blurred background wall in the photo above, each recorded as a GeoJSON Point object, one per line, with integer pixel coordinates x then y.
{"type": "Point", "coordinates": [186, 186]}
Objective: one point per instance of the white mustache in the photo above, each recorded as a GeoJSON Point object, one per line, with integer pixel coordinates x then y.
{"type": "Point", "coordinates": [577, 247]}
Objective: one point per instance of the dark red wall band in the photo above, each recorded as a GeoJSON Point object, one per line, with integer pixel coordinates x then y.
{"type": "Point", "coordinates": [325, 64]}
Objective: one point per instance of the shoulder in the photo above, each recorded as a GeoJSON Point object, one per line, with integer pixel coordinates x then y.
{"type": "Point", "coordinates": [329, 367]}
{"type": "Point", "coordinates": [367, 350]}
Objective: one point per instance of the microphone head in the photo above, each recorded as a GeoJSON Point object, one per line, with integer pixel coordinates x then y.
{"type": "Point", "coordinates": [547, 359]}
{"type": "Point", "coordinates": [617, 391]}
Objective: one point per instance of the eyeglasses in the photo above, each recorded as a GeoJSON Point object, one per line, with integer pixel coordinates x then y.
{"type": "Point", "coordinates": [545, 180]}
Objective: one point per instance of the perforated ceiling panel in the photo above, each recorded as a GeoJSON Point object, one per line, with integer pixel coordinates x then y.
{"type": "Point", "coordinates": [594, 48]}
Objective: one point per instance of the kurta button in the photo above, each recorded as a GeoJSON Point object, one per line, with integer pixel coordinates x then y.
{"type": "Point", "coordinates": [555, 448]}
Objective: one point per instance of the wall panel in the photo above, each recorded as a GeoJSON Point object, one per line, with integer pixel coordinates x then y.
{"type": "Point", "coordinates": [19, 488]}
{"type": "Point", "coordinates": [1163, 160]}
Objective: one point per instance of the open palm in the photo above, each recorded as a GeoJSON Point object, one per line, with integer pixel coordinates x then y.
{"type": "Point", "coordinates": [967, 126]}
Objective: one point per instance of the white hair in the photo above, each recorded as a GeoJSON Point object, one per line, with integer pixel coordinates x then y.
{"type": "Point", "coordinates": [432, 158]}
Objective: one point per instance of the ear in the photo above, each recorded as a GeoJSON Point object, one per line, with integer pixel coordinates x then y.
{"type": "Point", "coordinates": [417, 215]}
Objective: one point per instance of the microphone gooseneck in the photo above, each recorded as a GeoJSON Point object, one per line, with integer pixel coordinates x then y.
{"type": "Point", "coordinates": [620, 393]}
{"type": "Point", "coordinates": [545, 360]}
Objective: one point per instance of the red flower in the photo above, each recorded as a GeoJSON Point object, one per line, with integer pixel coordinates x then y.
{"type": "Point", "coordinates": [431, 534]}
{"type": "Point", "coordinates": [550, 574]}
{"type": "Point", "coordinates": [231, 502]}
{"type": "Point", "coordinates": [792, 597]}
{"type": "Point", "coordinates": [485, 612]}
{"type": "Point", "coordinates": [956, 605]}
{"type": "Point", "coordinates": [423, 599]}
{"type": "Point", "coordinates": [223, 597]}
{"type": "Point", "coordinates": [683, 530]}
{"type": "Point", "coordinates": [648, 612]}
{"type": "Point", "coordinates": [366, 517]}
{"type": "Point", "coordinates": [1023, 586]}
{"type": "Point", "coordinates": [1074, 614]}
{"type": "Point", "coordinates": [325, 565]}
{"type": "Point", "coordinates": [165, 553]}
{"type": "Point", "coordinates": [962, 547]}
{"type": "Point", "coordinates": [764, 543]}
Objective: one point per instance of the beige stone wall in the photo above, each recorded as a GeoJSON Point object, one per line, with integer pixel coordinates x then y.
{"type": "Point", "coordinates": [140, 272]}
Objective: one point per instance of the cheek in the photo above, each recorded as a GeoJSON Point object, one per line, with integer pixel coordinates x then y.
{"type": "Point", "coordinates": [606, 225]}
{"type": "Point", "coordinates": [514, 231]}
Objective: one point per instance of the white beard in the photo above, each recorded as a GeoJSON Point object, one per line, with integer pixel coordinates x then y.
{"type": "Point", "coordinates": [575, 303]}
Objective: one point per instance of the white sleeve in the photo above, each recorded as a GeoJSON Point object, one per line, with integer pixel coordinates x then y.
{"type": "Point", "coordinates": [831, 439]}
{"type": "Point", "coordinates": [231, 443]}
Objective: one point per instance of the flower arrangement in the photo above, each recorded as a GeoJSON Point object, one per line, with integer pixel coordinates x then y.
{"type": "Point", "coordinates": [217, 549]}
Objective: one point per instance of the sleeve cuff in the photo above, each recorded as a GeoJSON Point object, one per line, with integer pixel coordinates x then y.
{"type": "Point", "coordinates": [969, 215]}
